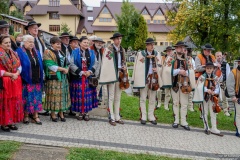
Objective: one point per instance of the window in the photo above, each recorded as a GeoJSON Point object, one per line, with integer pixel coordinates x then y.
{"type": "Point", "coordinates": [105, 10]}
{"type": "Point", "coordinates": [158, 21]}
{"type": "Point", "coordinates": [54, 16]}
{"type": "Point", "coordinates": [159, 12]}
{"type": "Point", "coordinates": [163, 22]}
{"type": "Point", "coordinates": [170, 44]}
{"type": "Point", "coordinates": [156, 43]}
{"type": "Point", "coordinates": [144, 12]}
{"type": "Point", "coordinates": [105, 19]}
{"type": "Point", "coordinates": [54, 3]}
{"type": "Point", "coordinates": [148, 21]}
{"type": "Point", "coordinates": [54, 28]}
{"type": "Point", "coordinates": [161, 43]}
{"type": "Point", "coordinates": [155, 21]}
{"type": "Point", "coordinates": [166, 43]}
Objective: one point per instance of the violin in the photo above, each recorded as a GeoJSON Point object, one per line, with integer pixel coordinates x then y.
{"type": "Point", "coordinates": [153, 78]}
{"type": "Point", "coordinates": [216, 107]}
{"type": "Point", "coordinates": [185, 82]}
{"type": "Point", "coordinates": [123, 79]}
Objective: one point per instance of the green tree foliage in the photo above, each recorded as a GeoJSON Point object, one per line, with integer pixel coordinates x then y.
{"type": "Point", "coordinates": [141, 34]}
{"type": "Point", "coordinates": [17, 14]}
{"type": "Point", "coordinates": [64, 28]}
{"type": "Point", "coordinates": [128, 22]}
{"type": "Point", "coordinates": [207, 21]}
{"type": "Point", "coordinates": [4, 9]}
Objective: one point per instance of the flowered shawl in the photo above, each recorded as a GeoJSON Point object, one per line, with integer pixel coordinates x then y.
{"type": "Point", "coordinates": [7, 64]}
{"type": "Point", "coordinates": [26, 65]}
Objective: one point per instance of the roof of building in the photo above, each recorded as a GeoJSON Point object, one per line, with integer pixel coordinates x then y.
{"type": "Point", "coordinates": [21, 4]}
{"type": "Point", "coordinates": [114, 8]}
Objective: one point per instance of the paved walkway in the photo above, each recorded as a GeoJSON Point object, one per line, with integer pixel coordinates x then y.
{"type": "Point", "coordinates": [130, 137]}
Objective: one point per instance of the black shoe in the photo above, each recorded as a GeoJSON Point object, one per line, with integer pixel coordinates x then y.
{"type": "Point", "coordinates": [207, 132]}
{"type": "Point", "coordinates": [53, 119]}
{"type": "Point", "coordinates": [143, 122]}
{"type": "Point", "coordinates": [80, 117]}
{"type": "Point", "coordinates": [34, 120]}
{"type": "Point", "coordinates": [12, 127]}
{"type": "Point", "coordinates": [154, 122]}
{"type": "Point", "coordinates": [186, 127]}
{"type": "Point", "coordinates": [5, 129]}
{"type": "Point", "coordinates": [62, 119]}
{"type": "Point", "coordinates": [71, 113]}
{"type": "Point", "coordinates": [26, 120]}
{"type": "Point", "coordinates": [44, 114]}
{"type": "Point", "coordinates": [175, 125]}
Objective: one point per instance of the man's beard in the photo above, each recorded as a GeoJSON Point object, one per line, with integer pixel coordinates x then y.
{"type": "Point", "coordinates": [98, 47]}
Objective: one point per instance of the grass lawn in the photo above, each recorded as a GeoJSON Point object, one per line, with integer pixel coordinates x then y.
{"type": "Point", "coordinates": [8, 148]}
{"type": "Point", "coordinates": [92, 154]}
{"type": "Point", "coordinates": [130, 111]}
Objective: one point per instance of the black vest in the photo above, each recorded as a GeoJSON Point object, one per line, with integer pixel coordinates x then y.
{"type": "Point", "coordinates": [224, 70]}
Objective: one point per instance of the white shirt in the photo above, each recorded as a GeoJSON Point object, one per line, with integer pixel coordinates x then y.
{"type": "Point", "coordinates": [119, 56]}
{"type": "Point", "coordinates": [40, 47]}
{"type": "Point", "coordinates": [150, 71]}
{"type": "Point", "coordinates": [216, 91]}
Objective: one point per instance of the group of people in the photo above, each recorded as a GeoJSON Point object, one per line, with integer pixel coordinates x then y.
{"type": "Point", "coordinates": [73, 73]}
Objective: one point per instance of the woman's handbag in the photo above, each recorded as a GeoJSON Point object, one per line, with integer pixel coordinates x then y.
{"type": "Point", "coordinates": [93, 81]}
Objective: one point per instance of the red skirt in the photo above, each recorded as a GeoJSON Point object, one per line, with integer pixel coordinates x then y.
{"type": "Point", "coordinates": [11, 106]}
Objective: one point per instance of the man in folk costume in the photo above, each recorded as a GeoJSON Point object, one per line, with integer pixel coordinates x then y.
{"type": "Point", "coordinates": [65, 47]}
{"type": "Point", "coordinates": [233, 89]}
{"type": "Point", "coordinates": [207, 90]}
{"type": "Point", "coordinates": [4, 29]}
{"type": "Point", "coordinates": [166, 77]}
{"type": "Point", "coordinates": [201, 60]}
{"type": "Point", "coordinates": [191, 67]}
{"type": "Point", "coordinates": [180, 71]}
{"type": "Point", "coordinates": [98, 49]}
{"type": "Point", "coordinates": [224, 71]}
{"type": "Point", "coordinates": [112, 65]}
{"type": "Point", "coordinates": [33, 28]}
{"type": "Point", "coordinates": [147, 63]}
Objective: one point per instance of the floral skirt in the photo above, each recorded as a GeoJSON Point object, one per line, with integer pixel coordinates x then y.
{"type": "Point", "coordinates": [90, 97]}
{"type": "Point", "coordinates": [32, 97]}
{"type": "Point", "coordinates": [57, 95]}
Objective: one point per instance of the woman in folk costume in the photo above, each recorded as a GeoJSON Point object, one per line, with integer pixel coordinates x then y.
{"type": "Point", "coordinates": [166, 77]}
{"type": "Point", "coordinates": [111, 68]}
{"type": "Point", "coordinates": [147, 62]}
{"type": "Point", "coordinates": [82, 67]}
{"type": "Point", "coordinates": [11, 109]}
{"type": "Point", "coordinates": [57, 88]}
{"type": "Point", "coordinates": [233, 89]}
{"type": "Point", "coordinates": [206, 89]}
{"type": "Point", "coordinates": [180, 86]}
{"type": "Point", "coordinates": [32, 77]}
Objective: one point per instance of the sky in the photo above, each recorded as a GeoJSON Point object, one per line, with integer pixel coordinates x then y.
{"type": "Point", "coordinates": [96, 3]}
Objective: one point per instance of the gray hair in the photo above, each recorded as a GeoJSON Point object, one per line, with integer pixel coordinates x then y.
{"type": "Point", "coordinates": [93, 37]}
{"type": "Point", "coordinates": [26, 37]}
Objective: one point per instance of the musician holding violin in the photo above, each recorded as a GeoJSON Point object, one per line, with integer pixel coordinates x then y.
{"type": "Point", "coordinates": [207, 92]}
{"type": "Point", "coordinates": [146, 77]}
{"type": "Point", "coordinates": [181, 86]}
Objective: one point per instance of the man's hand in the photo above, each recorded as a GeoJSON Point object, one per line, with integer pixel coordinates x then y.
{"type": "Point", "coordinates": [209, 91]}
{"type": "Point", "coordinates": [183, 72]}
{"type": "Point", "coordinates": [124, 68]}
{"type": "Point", "coordinates": [234, 99]}
{"type": "Point", "coordinates": [154, 69]}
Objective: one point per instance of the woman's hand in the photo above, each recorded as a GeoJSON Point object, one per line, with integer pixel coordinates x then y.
{"type": "Point", "coordinates": [87, 73]}
{"type": "Point", "coordinates": [14, 76]}
{"type": "Point", "coordinates": [65, 71]}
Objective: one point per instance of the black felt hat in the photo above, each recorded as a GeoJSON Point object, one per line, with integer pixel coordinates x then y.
{"type": "Point", "coordinates": [208, 46]}
{"type": "Point", "coordinates": [32, 23]}
{"type": "Point", "coordinates": [117, 34]}
{"type": "Point", "coordinates": [168, 48]}
{"type": "Point", "coordinates": [73, 38]}
{"type": "Point", "coordinates": [238, 60]}
{"type": "Point", "coordinates": [65, 34]}
{"type": "Point", "coordinates": [149, 41]}
{"type": "Point", "coordinates": [209, 64]}
{"type": "Point", "coordinates": [3, 24]}
{"type": "Point", "coordinates": [180, 43]}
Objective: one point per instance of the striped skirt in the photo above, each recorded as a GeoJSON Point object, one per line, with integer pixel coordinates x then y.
{"type": "Point", "coordinates": [57, 95]}
{"type": "Point", "coordinates": [90, 97]}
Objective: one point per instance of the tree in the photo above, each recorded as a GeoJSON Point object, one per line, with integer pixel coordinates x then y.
{"type": "Point", "coordinates": [16, 14]}
{"type": "Point", "coordinates": [207, 21]}
{"type": "Point", "coordinates": [141, 34]}
{"type": "Point", "coordinates": [64, 28]}
{"type": "Point", "coordinates": [127, 23]}
{"type": "Point", "coordinates": [4, 6]}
